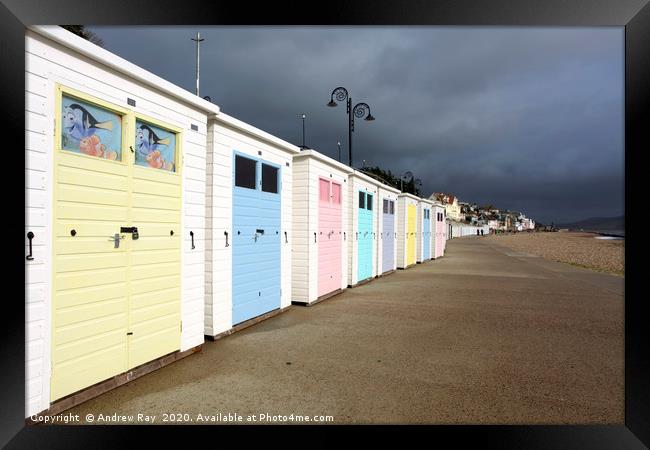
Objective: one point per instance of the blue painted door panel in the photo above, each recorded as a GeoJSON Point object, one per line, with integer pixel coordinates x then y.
{"type": "Point", "coordinates": [256, 257]}
{"type": "Point", "coordinates": [388, 242]}
{"type": "Point", "coordinates": [426, 235]}
{"type": "Point", "coordinates": [365, 239]}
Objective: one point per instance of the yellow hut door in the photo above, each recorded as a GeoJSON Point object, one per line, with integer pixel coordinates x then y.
{"type": "Point", "coordinates": [116, 245]}
{"type": "Point", "coordinates": [410, 239]}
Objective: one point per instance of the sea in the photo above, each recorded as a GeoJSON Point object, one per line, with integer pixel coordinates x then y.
{"type": "Point", "coordinates": [617, 233]}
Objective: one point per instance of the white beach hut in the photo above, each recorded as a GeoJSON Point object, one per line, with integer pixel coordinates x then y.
{"type": "Point", "coordinates": [386, 245]}
{"type": "Point", "coordinates": [424, 227]}
{"type": "Point", "coordinates": [406, 230]}
{"type": "Point", "coordinates": [320, 205]}
{"type": "Point", "coordinates": [362, 227]}
{"type": "Point", "coordinates": [115, 220]}
{"type": "Point", "coordinates": [249, 222]}
{"type": "Point", "coordinates": [439, 231]}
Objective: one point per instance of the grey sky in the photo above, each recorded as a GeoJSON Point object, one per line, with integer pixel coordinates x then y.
{"type": "Point", "coordinates": [524, 118]}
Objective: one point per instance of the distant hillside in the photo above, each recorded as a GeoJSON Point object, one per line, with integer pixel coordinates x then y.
{"type": "Point", "coordinates": [596, 223]}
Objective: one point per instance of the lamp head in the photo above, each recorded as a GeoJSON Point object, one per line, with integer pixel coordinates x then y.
{"type": "Point", "coordinates": [332, 103]}
{"type": "Point", "coordinates": [370, 117]}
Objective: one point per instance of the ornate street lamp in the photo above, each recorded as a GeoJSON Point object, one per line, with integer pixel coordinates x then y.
{"type": "Point", "coordinates": [405, 176]}
{"type": "Point", "coordinates": [359, 111]}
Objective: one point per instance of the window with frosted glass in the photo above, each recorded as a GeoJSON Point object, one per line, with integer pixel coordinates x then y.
{"type": "Point", "coordinates": [336, 193]}
{"type": "Point", "coordinates": [324, 191]}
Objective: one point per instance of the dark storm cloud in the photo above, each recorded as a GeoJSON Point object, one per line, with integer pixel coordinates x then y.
{"type": "Point", "coordinates": [523, 118]}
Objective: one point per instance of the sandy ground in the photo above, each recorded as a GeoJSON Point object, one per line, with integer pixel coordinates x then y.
{"type": "Point", "coordinates": [579, 249]}
{"type": "Point", "coordinates": [484, 335]}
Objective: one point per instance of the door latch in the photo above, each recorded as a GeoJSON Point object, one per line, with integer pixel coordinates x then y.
{"type": "Point", "coordinates": [30, 257]}
{"type": "Point", "coordinates": [259, 232]}
{"type": "Point", "coordinates": [133, 230]}
{"type": "Point", "coordinates": [116, 239]}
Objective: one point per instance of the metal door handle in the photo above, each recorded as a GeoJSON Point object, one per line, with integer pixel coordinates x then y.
{"type": "Point", "coordinates": [286, 240]}
{"type": "Point", "coordinates": [314, 238]}
{"type": "Point", "coordinates": [30, 257]}
{"type": "Point", "coordinates": [225, 233]}
{"type": "Point", "coordinates": [116, 239]}
{"type": "Point", "coordinates": [192, 236]}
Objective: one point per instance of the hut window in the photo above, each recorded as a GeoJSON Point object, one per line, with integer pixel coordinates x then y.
{"type": "Point", "coordinates": [324, 191]}
{"type": "Point", "coordinates": [385, 206]}
{"type": "Point", "coordinates": [336, 193]}
{"type": "Point", "coordinates": [392, 207]}
{"type": "Point", "coordinates": [362, 200]}
{"type": "Point", "coordinates": [90, 129]}
{"type": "Point", "coordinates": [155, 147]}
{"type": "Point", "coordinates": [369, 203]}
{"type": "Point", "coordinates": [269, 179]}
{"type": "Point", "coordinates": [244, 172]}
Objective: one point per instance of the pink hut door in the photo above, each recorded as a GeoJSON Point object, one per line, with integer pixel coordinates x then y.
{"type": "Point", "coordinates": [330, 236]}
{"type": "Point", "coordinates": [440, 234]}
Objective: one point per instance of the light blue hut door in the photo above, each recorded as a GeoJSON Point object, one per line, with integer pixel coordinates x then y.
{"type": "Point", "coordinates": [256, 238]}
{"type": "Point", "coordinates": [426, 235]}
{"type": "Point", "coordinates": [364, 236]}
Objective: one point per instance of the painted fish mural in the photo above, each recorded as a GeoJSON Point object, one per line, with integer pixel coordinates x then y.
{"type": "Point", "coordinates": [78, 123]}
{"type": "Point", "coordinates": [149, 146]}
{"type": "Point", "coordinates": [93, 147]}
{"type": "Point", "coordinates": [155, 160]}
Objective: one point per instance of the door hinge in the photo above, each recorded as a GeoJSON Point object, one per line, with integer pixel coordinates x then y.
{"type": "Point", "coordinates": [181, 326]}
{"type": "Point", "coordinates": [54, 129]}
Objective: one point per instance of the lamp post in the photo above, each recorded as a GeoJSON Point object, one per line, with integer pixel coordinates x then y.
{"type": "Point", "coordinates": [405, 175]}
{"type": "Point", "coordinates": [359, 111]}
{"type": "Point", "coordinates": [416, 182]}
{"type": "Point", "coordinates": [303, 133]}
{"type": "Point", "coordinates": [198, 41]}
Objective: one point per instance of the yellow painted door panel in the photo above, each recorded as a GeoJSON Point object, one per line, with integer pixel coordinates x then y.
{"type": "Point", "coordinates": [155, 323]}
{"type": "Point", "coordinates": [151, 298]}
{"type": "Point", "coordinates": [114, 307]}
{"type": "Point", "coordinates": [410, 239]}
{"type": "Point", "coordinates": [155, 257]}
{"type": "Point", "coordinates": [90, 298]}
{"type": "Point", "coordinates": [66, 210]}
{"type": "Point", "coordinates": [79, 373]}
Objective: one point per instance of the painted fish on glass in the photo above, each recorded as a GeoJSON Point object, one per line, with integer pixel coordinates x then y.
{"type": "Point", "coordinates": [146, 140]}
{"type": "Point", "coordinates": [78, 123]}
{"type": "Point", "coordinates": [93, 147]}
{"type": "Point", "coordinates": [148, 145]}
{"type": "Point", "coordinates": [155, 160]}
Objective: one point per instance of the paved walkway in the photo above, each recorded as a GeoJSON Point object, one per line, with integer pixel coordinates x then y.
{"type": "Point", "coordinates": [483, 335]}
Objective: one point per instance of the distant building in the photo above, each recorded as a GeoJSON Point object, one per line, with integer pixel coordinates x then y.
{"type": "Point", "coordinates": [451, 205]}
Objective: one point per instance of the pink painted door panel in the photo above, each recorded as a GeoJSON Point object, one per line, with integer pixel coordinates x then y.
{"type": "Point", "coordinates": [330, 235]}
{"type": "Point", "coordinates": [440, 235]}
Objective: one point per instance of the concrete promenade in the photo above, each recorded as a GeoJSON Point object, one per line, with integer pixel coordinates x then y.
{"type": "Point", "coordinates": [483, 335]}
